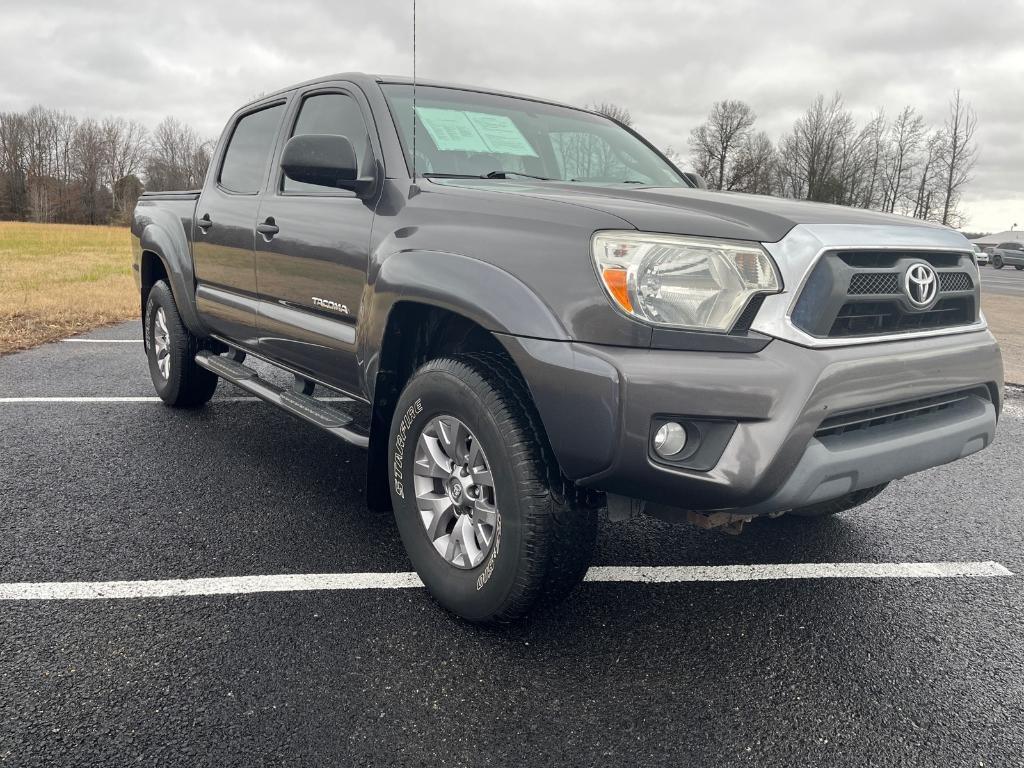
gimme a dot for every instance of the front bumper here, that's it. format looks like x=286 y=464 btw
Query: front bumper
x=597 y=404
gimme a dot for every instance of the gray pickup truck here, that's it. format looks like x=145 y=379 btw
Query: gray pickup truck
x=529 y=314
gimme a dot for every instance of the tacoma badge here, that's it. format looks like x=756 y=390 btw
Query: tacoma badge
x=328 y=304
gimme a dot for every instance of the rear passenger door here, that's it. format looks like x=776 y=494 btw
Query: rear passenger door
x=311 y=270
x=223 y=233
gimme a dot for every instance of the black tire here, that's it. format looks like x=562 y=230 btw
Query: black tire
x=1018 y=267
x=997 y=262
x=842 y=504
x=544 y=537
x=187 y=385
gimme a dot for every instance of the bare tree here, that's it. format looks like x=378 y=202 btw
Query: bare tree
x=177 y=158
x=65 y=129
x=124 y=154
x=754 y=170
x=957 y=156
x=929 y=180
x=89 y=155
x=850 y=171
x=813 y=153
x=906 y=134
x=13 y=159
x=614 y=111
x=39 y=166
x=715 y=142
x=874 y=149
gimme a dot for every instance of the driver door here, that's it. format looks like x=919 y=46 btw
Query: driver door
x=311 y=266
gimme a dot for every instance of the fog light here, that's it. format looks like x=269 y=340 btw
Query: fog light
x=669 y=440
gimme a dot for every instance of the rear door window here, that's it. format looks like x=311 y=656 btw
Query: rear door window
x=248 y=153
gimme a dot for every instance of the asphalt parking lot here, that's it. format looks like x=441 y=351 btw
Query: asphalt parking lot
x=1006 y=281
x=808 y=671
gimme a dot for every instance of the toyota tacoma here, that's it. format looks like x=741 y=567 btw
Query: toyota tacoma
x=526 y=314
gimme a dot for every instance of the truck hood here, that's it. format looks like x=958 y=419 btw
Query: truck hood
x=696 y=212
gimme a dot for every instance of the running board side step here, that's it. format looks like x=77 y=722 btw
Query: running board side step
x=304 y=406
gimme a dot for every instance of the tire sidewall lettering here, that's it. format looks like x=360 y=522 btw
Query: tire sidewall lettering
x=401 y=439
x=485 y=575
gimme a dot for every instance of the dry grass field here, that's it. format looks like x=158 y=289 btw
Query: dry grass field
x=60 y=279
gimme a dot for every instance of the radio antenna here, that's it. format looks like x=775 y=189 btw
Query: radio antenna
x=413 y=91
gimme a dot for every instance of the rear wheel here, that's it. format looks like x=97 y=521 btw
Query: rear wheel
x=842 y=504
x=1018 y=267
x=171 y=349
x=478 y=498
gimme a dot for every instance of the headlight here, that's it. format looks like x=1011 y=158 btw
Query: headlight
x=687 y=282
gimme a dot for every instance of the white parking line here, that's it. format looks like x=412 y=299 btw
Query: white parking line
x=103 y=341
x=16 y=400
x=657 y=575
x=12 y=400
x=304 y=582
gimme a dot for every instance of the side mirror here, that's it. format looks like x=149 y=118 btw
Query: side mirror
x=696 y=179
x=324 y=159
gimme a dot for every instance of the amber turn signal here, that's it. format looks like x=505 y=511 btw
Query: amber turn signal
x=616 y=282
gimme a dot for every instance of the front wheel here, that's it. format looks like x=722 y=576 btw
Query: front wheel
x=171 y=349
x=997 y=262
x=478 y=499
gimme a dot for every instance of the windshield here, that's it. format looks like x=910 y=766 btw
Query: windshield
x=465 y=133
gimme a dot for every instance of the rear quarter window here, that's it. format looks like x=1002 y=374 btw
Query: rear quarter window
x=248 y=152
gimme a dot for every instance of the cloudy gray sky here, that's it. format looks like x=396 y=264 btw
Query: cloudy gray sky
x=666 y=61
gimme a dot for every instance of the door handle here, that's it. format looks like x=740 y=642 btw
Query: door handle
x=204 y=223
x=268 y=228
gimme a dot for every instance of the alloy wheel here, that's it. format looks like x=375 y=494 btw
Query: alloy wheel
x=162 y=343
x=455 y=492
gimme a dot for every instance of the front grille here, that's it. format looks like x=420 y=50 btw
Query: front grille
x=888 y=283
x=869 y=418
x=876 y=318
x=949 y=282
x=878 y=283
x=861 y=294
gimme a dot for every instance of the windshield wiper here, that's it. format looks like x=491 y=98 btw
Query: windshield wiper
x=443 y=175
x=490 y=175
x=506 y=174
x=622 y=181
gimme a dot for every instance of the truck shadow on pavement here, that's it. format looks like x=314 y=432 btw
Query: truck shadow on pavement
x=305 y=475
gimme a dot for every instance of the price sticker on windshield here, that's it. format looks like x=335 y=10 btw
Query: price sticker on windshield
x=459 y=131
x=502 y=136
x=451 y=130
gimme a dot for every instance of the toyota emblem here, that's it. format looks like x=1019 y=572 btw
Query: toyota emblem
x=921 y=284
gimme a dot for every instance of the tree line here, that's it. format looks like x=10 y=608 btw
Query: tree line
x=895 y=164
x=55 y=167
